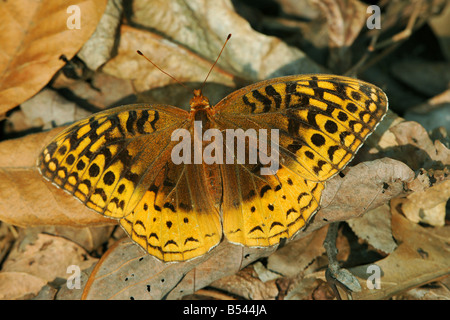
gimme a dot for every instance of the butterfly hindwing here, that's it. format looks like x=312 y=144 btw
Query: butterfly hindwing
x=260 y=210
x=174 y=221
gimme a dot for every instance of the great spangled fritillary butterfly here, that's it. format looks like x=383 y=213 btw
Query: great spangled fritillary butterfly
x=118 y=162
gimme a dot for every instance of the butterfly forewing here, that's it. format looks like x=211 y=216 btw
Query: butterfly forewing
x=106 y=154
x=118 y=163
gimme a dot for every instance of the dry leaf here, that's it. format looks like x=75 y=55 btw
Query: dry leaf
x=37 y=257
x=426 y=206
x=19 y=285
x=263 y=273
x=310 y=289
x=101 y=92
x=301 y=8
x=345 y=19
x=47 y=292
x=182 y=63
x=409 y=142
x=297 y=255
x=64 y=293
x=33 y=44
x=89 y=238
x=437 y=290
x=422 y=256
x=375 y=228
x=57 y=111
x=98 y=49
x=246 y=284
x=203 y=25
x=376 y=181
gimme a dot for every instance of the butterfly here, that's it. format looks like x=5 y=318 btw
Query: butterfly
x=119 y=162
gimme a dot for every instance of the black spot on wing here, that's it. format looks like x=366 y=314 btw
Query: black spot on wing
x=318 y=140
x=264 y=190
x=109 y=178
x=169 y=206
x=256 y=229
x=331 y=151
x=190 y=239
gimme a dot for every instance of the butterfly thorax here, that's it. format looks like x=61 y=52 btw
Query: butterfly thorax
x=201 y=110
x=199 y=101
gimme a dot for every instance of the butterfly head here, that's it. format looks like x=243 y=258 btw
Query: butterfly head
x=199 y=101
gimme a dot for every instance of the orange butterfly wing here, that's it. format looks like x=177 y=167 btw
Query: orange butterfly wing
x=118 y=163
x=322 y=121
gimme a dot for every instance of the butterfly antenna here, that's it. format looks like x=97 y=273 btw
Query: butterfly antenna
x=182 y=84
x=223 y=47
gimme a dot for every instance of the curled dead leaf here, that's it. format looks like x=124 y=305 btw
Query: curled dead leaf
x=345 y=19
x=61 y=110
x=293 y=258
x=246 y=284
x=409 y=142
x=376 y=181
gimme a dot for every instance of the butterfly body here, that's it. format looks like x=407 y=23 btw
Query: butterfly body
x=120 y=162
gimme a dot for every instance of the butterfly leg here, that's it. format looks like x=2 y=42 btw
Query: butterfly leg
x=335 y=275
